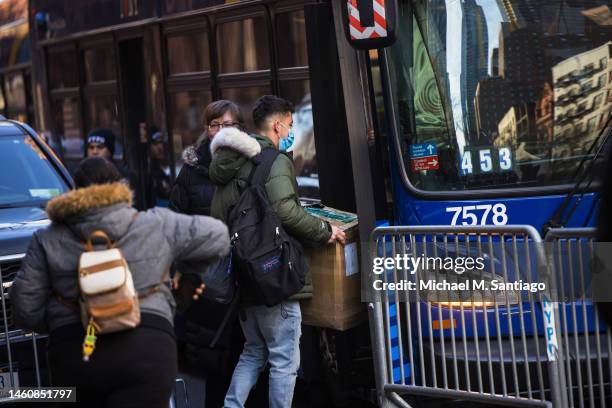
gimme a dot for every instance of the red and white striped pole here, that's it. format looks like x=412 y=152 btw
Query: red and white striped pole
x=359 y=32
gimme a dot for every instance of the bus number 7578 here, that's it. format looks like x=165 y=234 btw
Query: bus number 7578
x=496 y=213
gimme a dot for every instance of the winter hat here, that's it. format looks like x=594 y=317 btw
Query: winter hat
x=102 y=136
x=154 y=135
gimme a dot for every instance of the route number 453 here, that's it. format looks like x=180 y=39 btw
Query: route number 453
x=487 y=160
x=469 y=214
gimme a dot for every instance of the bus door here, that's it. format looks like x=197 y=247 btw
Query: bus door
x=134 y=114
x=143 y=113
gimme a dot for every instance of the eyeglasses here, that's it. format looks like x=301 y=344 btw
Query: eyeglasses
x=216 y=126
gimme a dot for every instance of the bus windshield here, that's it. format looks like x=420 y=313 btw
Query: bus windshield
x=500 y=94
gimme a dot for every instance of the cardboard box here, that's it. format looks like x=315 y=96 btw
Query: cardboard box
x=336 y=301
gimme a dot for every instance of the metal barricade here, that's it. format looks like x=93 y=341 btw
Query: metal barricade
x=21 y=349
x=586 y=340
x=496 y=350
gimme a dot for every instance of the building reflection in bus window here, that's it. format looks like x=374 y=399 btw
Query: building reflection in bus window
x=245 y=98
x=304 y=153
x=100 y=64
x=510 y=95
x=103 y=113
x=249 y=50
x=291 y=32
x=186 y=110
x=188 y=53
x=67 y=119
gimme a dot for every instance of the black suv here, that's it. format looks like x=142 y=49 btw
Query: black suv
x=30 y=175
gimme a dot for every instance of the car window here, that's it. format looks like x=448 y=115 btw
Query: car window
x=26 y=175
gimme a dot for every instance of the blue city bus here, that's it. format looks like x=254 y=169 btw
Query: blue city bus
x=509 y=106
x=496 y=113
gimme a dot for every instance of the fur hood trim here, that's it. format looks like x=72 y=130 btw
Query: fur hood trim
x=190 y=155
x=77 y=201
x=237 y=140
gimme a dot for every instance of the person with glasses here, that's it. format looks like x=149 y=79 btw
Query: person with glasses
x=198 y=322
x=193 y=190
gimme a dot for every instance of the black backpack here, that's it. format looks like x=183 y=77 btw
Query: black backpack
x=268 y=262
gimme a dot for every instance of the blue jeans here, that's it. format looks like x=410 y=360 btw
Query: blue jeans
x=272 y=334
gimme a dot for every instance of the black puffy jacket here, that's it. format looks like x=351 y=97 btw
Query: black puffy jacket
x=193 y=190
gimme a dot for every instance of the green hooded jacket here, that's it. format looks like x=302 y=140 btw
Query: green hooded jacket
x=229 y=170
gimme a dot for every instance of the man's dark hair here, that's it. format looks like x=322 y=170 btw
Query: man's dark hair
x=269 y=105
x=95 y=170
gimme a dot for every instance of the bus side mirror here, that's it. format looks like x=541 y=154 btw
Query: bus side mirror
x=369 y=24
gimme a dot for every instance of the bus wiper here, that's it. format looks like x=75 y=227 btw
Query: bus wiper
x=602 y=140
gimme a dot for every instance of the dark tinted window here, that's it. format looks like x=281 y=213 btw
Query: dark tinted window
x=62 y=69
x=291 y=39
x=242 y=46
x=100 y=64
x=188 y=53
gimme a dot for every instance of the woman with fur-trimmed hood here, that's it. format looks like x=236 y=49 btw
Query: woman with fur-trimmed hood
x=193 y=190
x=135 y=367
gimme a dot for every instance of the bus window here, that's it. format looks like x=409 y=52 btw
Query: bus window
x=66 y=116
x=245 y=98
x=62 y=69
x=291 y=35
x=491 y=96
x=100 y=64
x=188 y=53
x=186 y=110
x=242 y=46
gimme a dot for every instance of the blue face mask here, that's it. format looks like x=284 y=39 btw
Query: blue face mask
x=285 y=144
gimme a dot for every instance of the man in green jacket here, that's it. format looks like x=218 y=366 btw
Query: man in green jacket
x=272 y=334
